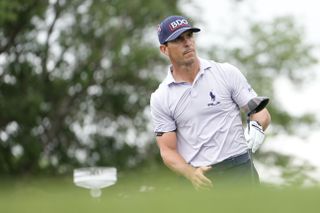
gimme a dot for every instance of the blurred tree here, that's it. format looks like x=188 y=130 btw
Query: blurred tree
x=75 y=77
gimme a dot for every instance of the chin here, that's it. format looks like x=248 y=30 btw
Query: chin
x=190 y=61
x=191 y=57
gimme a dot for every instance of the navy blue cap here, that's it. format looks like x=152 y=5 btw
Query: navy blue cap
x=172 y=27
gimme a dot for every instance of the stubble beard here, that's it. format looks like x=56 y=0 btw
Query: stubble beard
x=189 y=61
x=186 y=61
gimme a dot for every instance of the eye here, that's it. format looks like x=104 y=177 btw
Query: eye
x=190 y=35
x=177 y=39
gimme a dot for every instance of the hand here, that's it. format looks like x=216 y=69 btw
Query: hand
x=198 y=179
x=254 y=135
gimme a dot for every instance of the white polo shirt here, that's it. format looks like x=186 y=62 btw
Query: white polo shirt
x=204 y=114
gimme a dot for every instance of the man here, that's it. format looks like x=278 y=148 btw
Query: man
x=196 y=112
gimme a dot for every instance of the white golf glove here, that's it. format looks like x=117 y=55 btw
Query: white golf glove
x=254 y=136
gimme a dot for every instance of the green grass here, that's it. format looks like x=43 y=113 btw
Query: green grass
x=149 y=191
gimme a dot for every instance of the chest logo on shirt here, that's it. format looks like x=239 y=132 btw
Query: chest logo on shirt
x=213 y=100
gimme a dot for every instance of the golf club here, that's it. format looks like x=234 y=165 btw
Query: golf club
x=255 y=105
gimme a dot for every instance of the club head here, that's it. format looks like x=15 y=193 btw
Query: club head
x=257 y=104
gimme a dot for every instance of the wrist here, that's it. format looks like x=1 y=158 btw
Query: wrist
x=255 y=121
x=189 y=171
x=256 y=124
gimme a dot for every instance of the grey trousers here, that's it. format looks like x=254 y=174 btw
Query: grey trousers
x=237 y=170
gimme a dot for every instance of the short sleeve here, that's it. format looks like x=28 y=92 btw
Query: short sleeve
x=161 y=117
x=241 y=90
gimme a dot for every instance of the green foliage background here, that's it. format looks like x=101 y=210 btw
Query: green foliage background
x=68 y=64
x=76 y=77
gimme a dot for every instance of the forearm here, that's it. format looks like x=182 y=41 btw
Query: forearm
x=173 y=159
x=254 y=133
x=176 y=163
x=263 y=117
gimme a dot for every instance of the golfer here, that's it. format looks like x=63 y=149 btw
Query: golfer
x=196 y=113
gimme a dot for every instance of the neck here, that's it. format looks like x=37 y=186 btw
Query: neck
x=186 y=72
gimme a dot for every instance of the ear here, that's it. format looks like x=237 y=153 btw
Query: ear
x=164 y=49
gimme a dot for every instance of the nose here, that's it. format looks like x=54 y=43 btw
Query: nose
x=186 y=41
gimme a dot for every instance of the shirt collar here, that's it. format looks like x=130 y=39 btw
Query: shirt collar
x=204 y=65
x=169 y=79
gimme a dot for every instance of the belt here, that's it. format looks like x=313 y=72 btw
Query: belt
x=231 y=162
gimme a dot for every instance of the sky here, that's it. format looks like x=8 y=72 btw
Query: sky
x=217 y=17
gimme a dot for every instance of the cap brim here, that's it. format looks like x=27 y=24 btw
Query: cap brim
x=177 y=33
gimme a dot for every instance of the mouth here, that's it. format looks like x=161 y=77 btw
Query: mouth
x=187 y=52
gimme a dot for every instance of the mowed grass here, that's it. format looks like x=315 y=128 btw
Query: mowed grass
x=149 y=191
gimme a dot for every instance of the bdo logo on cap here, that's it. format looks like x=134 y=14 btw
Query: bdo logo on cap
x=178 y=23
